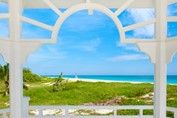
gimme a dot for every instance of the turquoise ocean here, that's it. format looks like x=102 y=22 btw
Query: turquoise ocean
x=171 y=79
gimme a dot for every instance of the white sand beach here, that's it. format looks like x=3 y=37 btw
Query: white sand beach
x=95 y=80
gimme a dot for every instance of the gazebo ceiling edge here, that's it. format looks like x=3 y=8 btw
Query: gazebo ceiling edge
x=69 y=3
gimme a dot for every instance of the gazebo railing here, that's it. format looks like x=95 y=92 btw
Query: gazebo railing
x=4 y=113
x=71 y=112
x=174 y=110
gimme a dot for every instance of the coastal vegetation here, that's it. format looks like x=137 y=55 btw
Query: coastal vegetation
x=66 y=92
x=98 y=93
x=93 y=93
x=59 y=84
x=28 y=76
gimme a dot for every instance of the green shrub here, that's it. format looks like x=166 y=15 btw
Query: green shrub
x=28 y=76
x=148 y=112
x=128 y=112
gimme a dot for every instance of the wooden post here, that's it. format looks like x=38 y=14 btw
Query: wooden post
x=160 y=63
x=16 y=81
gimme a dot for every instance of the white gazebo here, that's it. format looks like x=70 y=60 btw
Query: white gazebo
x=15 y=50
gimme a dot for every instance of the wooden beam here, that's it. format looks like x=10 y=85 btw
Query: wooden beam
x=172 y=19
x=171 y=48
x=43 y=41
x=53 y=7
x=171 y=1
x=107 y=3
x=135 y=40
x=4 y=16
x=90 y=11
x=138 y=25
x=4 y=1
x=172 y=38
x=123 y=7
x=37 y=23
x=4 y=38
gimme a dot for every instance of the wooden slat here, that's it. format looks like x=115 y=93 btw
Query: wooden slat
x=171 y=1
x=123 y=7
x=138 y=25
x=47 y=41
x=133 y=41
x=53 y=7
x=172 y=18
x=4 y=16
x=107 y=3
x=37 y=23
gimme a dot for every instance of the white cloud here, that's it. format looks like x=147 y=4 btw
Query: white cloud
x=127 y=47
x=89 y=46
x=129 y=57
x=140 y=15
x=46 y=53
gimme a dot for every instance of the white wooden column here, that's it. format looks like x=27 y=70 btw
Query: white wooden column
x=160 y=76
x=16 y=81
x=160 y=54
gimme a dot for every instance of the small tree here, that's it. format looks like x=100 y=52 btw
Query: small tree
x=27 y=76
x=5 y=77
x=59 y=85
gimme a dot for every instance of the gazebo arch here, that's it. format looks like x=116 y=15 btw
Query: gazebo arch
x=89 y=6
x=160 y=50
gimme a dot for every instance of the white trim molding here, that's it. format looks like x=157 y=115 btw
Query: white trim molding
x=171 y=1
x=149 y=47
x=87 y=6
x=106 y=3
x=25 y=48
x=4 y=15
x=172 y=19
x=171 y=49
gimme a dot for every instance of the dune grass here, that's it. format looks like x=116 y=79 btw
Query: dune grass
x=76 y=93
x=79 y=93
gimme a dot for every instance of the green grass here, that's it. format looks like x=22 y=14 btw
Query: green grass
x=78 y=93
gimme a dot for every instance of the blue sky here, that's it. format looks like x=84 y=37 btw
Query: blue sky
x=90 y=44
